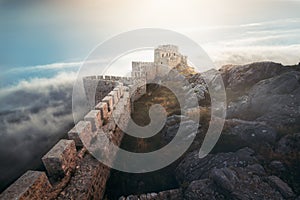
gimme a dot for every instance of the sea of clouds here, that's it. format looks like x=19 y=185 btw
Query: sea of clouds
x=34 y=114
x=277 y=41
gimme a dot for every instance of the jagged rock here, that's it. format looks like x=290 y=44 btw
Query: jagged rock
x=202 y=189
x=281 y=186
x=253 y=134
x=277 y=166
x=236 y=175
x=288 y=144
x=164 y=195
x=274 y=100
x=199 y=88
x=131 y=197
x=225 y=178
x=173 y=123
x=239 y=78
x=238 y=107
x=256 y=169
x=193 y=168
x=175 y=119
x=236 y=183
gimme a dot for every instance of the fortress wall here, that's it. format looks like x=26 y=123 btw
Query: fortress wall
x=31 y=185
x=60 y=159
x=97 y=87
x=73 y=172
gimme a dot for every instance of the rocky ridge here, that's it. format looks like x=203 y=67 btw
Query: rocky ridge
x=261 y=132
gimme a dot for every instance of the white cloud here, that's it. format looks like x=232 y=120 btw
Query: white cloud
x=277 y=41
x=287 y=55
x=39 y=85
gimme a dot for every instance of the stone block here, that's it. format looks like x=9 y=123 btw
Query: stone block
x=31 y=185
x=117 y=89
x=109 y=101
x=103 y=107
x=121 y=90
x=60 y=159
x=82 y=131
x=94 y=116
x=114 y=95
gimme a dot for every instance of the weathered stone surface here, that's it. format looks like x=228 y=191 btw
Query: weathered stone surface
x=88 y=182
x=164 y=195
x=239 y=78
x=254 y=134
x=274 y=100
x=31 y=185
x=233 y=182
x=82 y=130
x=189 y=127
x=94 y=116
x=281 y=186
x=117 y=89
x=224 y=178
x=96 y=88
x=121 y=114
x=60 y=159
x=121 y=89
x=288 y=144
x=109 y=101
x=277 y=166
x=193 y=168
x=202 y=189
x=114 y=95
x=103 y=107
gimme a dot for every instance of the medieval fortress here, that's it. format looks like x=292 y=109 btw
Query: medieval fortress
x=72 y=172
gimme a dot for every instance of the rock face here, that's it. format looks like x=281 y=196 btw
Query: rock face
x=265 y=92
x=238 y=78
x=32 y=185
x=199 y=87
x=193 y=168
x=164 y=195
x=253 y=134
x=173 y=123
x=235 y=175
x=289 y=144
x=60 y=159
x=263 y=105
x=281 y=186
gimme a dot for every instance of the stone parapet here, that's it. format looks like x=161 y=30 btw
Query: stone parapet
x=82 y=129
x=60 y=159
x=31 y=185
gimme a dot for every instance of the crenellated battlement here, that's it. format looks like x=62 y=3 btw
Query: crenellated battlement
x=70 y=168
x=72 y=172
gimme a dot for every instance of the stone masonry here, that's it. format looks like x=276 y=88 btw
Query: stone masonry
x=73 y=172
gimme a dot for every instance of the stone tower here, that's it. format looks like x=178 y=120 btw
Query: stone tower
x=167 y=57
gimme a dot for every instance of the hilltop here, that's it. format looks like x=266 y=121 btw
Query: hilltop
x=258 y=152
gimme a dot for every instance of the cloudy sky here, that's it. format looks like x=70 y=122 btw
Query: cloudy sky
x=43 y=43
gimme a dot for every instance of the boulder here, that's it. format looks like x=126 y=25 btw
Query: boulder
x=239 y=78
x=253 y=134
x=236 y=175
x=194 y=168
x=288 y=144
x=202 y=189
x=281 y=186
x=274 y=100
